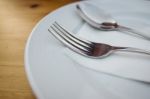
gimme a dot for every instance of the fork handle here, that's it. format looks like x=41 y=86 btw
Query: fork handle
x=131 y=49
x=130 y=30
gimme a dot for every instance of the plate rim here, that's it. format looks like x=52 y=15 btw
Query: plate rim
x=27 y=65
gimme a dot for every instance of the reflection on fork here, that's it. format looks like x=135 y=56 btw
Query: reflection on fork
x=86 y=47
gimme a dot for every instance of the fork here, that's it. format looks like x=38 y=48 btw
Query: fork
x=86 y=47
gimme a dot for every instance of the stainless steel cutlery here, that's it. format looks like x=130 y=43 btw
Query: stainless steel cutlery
x=98 y=18
x=87 y=47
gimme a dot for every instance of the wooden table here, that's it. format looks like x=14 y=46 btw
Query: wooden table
x=17 y=18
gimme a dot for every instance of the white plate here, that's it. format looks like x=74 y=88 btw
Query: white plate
x=53 y=75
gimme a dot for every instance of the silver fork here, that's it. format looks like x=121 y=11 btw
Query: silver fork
x=86 y=47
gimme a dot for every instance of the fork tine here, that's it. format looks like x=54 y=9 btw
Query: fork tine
x=61 y=33
x=84 y=43
x=66 y=41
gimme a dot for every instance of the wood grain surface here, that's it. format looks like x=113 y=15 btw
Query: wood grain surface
x=17 y=18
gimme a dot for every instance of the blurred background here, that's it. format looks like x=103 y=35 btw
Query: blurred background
x=17 y=19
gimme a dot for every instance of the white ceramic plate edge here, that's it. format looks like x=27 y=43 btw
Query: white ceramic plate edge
x=30 y=78
x=27 y=65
